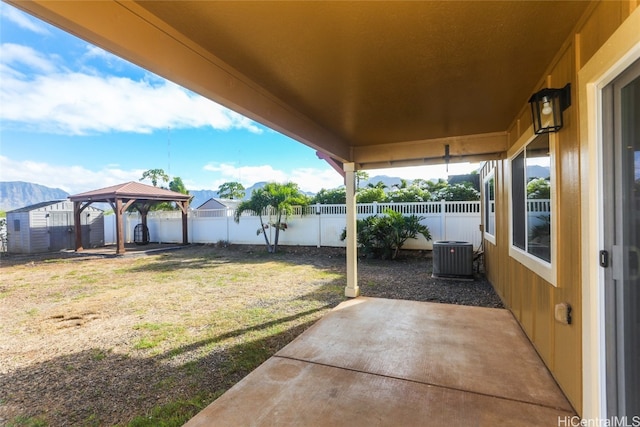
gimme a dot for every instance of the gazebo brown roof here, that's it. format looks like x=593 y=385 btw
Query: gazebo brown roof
x=120 y=197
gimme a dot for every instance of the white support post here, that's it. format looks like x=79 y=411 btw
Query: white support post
x=352 y=290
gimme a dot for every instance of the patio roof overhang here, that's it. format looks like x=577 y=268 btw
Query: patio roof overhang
x=371 y=83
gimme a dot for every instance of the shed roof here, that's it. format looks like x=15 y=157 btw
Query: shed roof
x=35 y=206
x=41 y=205
x=129 y=190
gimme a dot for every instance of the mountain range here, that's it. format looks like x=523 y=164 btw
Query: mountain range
x=18 y=194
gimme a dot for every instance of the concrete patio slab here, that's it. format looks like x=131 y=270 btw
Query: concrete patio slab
x=389 y=362
x=481 y=350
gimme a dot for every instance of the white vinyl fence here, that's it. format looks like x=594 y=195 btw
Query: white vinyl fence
x=316 y=225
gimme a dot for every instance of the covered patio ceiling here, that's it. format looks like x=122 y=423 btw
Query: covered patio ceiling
x=377 y=84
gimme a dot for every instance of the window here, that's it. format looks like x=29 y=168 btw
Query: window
x=490 y=208
x=531 y=206
x=16 y=225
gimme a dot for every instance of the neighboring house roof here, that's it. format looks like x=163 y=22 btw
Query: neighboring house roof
x=214 y=203
x=130 y=190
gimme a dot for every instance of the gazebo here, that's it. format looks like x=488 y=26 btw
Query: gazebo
x=121 y=197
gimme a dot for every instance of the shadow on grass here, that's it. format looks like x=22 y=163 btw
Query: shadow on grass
x=98 y=387
x=239 y=332
x=105 y=252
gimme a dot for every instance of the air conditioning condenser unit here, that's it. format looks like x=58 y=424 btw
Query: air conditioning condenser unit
x=453 y=259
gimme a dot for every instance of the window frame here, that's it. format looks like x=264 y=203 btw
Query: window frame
x=540 y=267
x=489 y=236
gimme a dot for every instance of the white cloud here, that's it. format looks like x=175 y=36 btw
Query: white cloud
x=22 y=20
x=72 y=179
x=50 y=98
x=18 y=55
x=96 y=52
x=309 y=179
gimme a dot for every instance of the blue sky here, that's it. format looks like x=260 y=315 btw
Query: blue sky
x=78 y=118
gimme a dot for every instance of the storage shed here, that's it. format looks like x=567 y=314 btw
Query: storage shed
x=49 y=226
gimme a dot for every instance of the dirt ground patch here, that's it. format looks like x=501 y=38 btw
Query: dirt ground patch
x=88 y=340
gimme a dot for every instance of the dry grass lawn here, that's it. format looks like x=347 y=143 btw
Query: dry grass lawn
x=149 y=339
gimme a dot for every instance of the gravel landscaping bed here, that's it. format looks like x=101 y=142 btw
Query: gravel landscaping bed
x=91 y=340
x=410 y=278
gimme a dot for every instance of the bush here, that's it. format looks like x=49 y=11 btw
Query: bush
x=539 y=188
x=370 y=195
x=383 y=236
x=408 y=194
x=456 y=193
x=337 y=196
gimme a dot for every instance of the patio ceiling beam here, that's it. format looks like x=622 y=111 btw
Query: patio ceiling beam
x=133 y=33
x=468 y=148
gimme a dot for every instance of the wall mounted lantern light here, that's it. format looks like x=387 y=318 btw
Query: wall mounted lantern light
x=547 y=107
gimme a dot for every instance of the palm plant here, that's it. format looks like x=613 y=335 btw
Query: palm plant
x=383 y=236
x=276 y=201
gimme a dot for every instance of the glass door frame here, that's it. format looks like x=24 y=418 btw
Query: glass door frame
x=611 y=59
x=615 y=208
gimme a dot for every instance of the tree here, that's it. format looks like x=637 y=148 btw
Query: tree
x=381 y=185
x=336 y=196
x=276 y=200
x=430 y=186
x=361 y=176
x=175 y=184
x=178 y=186
x=457 y=192
x=370 y=195
x=231 y=190
x=539 y=188
x=411 y=193
x=154 y=175
x=403 y=184
x=383 y=236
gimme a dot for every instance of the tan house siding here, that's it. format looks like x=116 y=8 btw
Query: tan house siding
x=600 y=24
x=528 y=296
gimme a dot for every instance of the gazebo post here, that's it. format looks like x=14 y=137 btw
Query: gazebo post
x=184 y=206
x=77 y=226
x=144 y=211
x=119 y=228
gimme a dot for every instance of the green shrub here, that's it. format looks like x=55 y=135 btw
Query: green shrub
x=383 y=236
